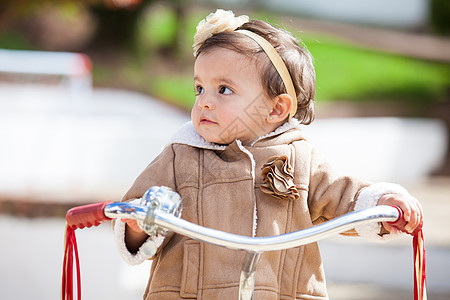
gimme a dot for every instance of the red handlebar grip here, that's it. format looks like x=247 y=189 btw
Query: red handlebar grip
x=400 y=223
x=400 y=216
x=87 y=215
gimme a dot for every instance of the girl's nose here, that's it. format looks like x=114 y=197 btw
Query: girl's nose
x=205 y=102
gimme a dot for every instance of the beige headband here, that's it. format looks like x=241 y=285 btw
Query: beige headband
x=279 y=65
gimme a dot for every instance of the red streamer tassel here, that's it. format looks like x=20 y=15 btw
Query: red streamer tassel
x=78 y=217
x=70 y=249
x=420 y=282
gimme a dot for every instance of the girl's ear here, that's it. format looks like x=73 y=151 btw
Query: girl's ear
x=282 y=105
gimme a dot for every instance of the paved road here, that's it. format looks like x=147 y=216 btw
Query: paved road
x=52 y=149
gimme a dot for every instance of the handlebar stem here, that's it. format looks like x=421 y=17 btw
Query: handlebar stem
x=153 y=217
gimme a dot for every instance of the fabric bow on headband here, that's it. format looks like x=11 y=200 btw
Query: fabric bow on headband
x=220 y=21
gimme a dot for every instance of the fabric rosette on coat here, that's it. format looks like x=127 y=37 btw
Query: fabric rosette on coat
x=279 y=178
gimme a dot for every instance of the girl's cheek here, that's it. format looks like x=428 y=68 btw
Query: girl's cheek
x=194 y=111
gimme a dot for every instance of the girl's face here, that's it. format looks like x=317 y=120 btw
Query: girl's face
x=230 y=101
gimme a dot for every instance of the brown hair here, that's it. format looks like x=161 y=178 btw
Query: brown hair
x=297 y=58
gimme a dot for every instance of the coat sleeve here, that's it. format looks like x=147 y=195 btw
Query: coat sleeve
x=332 y=195
x=160 y=172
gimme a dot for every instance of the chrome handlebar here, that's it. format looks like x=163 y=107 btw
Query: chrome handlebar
x=168 y=221
x=159 y=210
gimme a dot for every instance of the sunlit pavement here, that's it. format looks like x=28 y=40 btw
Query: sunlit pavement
x=357 y=269
x=32 y=249
x=53 y=148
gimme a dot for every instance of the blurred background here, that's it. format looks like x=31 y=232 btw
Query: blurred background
x=90 y=92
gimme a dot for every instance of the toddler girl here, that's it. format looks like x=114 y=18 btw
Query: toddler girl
x=243 y=165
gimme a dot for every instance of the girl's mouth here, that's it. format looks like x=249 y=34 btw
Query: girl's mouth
x=206 y=121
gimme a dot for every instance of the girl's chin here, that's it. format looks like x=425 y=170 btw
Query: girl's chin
x=211 y=135
x=214 y=139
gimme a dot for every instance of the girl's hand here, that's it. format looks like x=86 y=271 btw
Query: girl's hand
x=412 y=212
x=134 y=235
x=132 y=224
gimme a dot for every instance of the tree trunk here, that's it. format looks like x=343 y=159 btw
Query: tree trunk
x=116 y=27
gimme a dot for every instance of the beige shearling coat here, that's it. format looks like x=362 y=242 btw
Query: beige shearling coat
x=220 y=189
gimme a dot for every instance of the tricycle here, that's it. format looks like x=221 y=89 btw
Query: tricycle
x=159 y=210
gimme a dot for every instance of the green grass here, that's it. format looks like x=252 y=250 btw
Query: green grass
x=344 y=71
x=156 y=29
x=175 y=89
x=14 y=40
x=348 y=72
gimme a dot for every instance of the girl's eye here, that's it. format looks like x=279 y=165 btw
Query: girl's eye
x=198 y=90
x=225 y=91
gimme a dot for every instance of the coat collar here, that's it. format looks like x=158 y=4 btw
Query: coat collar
x=284 y=134
x=189 y=136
